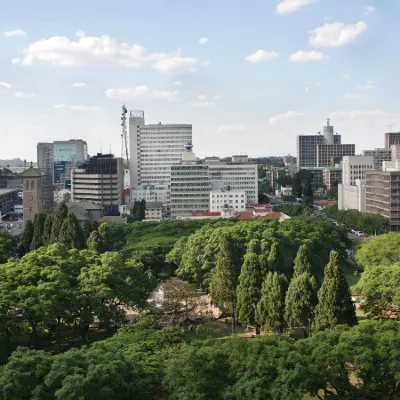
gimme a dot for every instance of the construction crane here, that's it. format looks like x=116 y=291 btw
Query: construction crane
x=124 y=135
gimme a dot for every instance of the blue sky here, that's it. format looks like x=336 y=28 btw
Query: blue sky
x=249 y=76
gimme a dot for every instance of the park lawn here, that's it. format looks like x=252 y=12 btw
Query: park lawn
x=206 y=331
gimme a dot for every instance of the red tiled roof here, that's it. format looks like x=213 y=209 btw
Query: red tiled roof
x=206 y=214
x=261 y=205
x=274 y=214
x=244 y=215
x=324 y=203
x=261 y=210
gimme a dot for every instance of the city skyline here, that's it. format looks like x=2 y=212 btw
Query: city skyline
x=249 y=79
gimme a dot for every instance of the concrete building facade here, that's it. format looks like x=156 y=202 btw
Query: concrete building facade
x=395 y=148
x=225 y=198
x=379 y=155
x=355 y=167
x=391 y=138
x=152 y=193
x=352 y=197
x=328 y=155
x=100 y=180
x=154 y=149
x=332 y=175
x=154 y=211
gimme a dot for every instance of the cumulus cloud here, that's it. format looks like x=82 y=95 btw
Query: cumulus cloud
x=79 y=84
x=369 y=10
x=25 y=95
x=285 y=117
x=102 y=50
x=66 y=107
x=141 y=93
x=306 y=89
x=346 y=76
x=4 y=86
x=368 y=86
x=289 y=6
x=307 y=56
x=178 y=83
x=15 y=32
x=207 y=63
x=337 y=34
x=204 y=40
x=261 y=55
x=232 y=128
x=205 y=101
x=352 y=96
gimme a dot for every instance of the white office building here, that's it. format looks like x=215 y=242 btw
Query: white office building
x=351 y=193
x=151 y=193
x=154 y=149
x=225 y=198
x=380 y=155
x=238 y=174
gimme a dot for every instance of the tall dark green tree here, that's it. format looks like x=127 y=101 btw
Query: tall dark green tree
x=48 y=225
x=100 y=240
x=226 y=277
x=302 y=263
x=89 y=226
x=250 y=281
x=38 y=231
x=59 y=215
x=274 y=258
x=270 y=313
x=71 y=235
x=94 y=242
x=297 y=186
x=334 y=300
x=27 y=237
x=138 y=212
x=7 y=247
x=301 y=300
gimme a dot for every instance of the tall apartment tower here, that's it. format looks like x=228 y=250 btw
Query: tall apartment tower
x=154 y=148
x=61 y=157
x=379 y=155
x=322 y=150
x=100 y=180
x=391 y=138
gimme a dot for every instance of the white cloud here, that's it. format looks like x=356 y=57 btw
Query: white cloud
x=4 y=86
x=141 y=93
x=361 y=115
x=284 y=117
x=336 y=34
x=75 y=107
x=368 y=86
x=178 y=83
x=204 y=40
x=25 y=95
x=261 y=55
x=346 y=76
x=328 y=18
x=79 y=84
x=232 y=128
x=102 y=50
x=352 y=96
x=288 y=6
x=306 y=89
x=207 y=63
x=369 y=10
x=15 y=32
x=307 y=56
x=204 y=101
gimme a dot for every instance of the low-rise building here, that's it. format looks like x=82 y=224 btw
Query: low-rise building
x=154 y=211
x=151 y=193
x=8 y=200
x=352 y=197
x=332 y=175
x=227 y=198
x=62 y=195
x=85 y=210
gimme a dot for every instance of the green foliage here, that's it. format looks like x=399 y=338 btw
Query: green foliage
x=90 y=226
x=71 y=235
x=38 y=231
x=334 y=300
x=379 y=289
x=333 y=191
x=138 y=211
x=60 y=213
x=270 y=313
x=250 y=282
x=7 y=246
x=26 y=239
x=263 y=189
x=379 y=250
x=302 y=262
x=48 y=225
x=293 y=210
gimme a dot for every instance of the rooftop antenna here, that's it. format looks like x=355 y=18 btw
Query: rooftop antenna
x=124 y=135
x=328 y=120
x=390 y=127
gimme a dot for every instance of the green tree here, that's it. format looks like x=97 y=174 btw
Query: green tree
x=302 y=262
x=138 y=212
x=90 y=226
x=71 y=235
x=372 y=223
x=226 y=277
x=297 y=186
x=270 y=311
x=60 y=213
x=27 y=237
x=333 y=191
x=334 y=300
x=301 y=300
x=48 y=226
x=38 y=231
x=379 y=250
x=274 y=258
x=7 y=246
x=102 y=239
x=250 y=282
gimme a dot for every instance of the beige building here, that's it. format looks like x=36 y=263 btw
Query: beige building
x=379 y=155
x=154 y=211
x=37 y=191
x=100 y=180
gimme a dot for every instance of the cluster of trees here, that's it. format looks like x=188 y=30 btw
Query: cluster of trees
x=263 y=189
x=145 y=362
x=138 y=212
x=364 y=222
x=295 y=210
x=54 y=293
x=380 y=282
x=303 y=184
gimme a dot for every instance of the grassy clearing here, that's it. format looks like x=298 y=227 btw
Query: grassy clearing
x=350 y=274
x=206 y=331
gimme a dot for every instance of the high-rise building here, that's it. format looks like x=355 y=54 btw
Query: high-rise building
x=154 y=149
x=190 y=185
x=383 y=193
x=395 y=148
x=355 y=167
x=61 y=157
x=37 y=191
x=322 y=150
x=379 y=156
x=100 y=180
x=332 y=175
x=391 y=138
